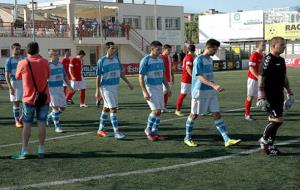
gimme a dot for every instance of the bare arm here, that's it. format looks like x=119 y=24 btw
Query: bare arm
x=261 y=87
x=287 y=86
x=11 y=89
x=97 y=94
x=165 y=82
x=189 y=69
x=211 y=84
x=143 y=86
x=253 y=72
x=67 y=82
x=124 y=78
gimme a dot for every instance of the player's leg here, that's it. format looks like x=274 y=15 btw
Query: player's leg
x=103 y=120
x=41 y=118
x=16 y=112
x=185 y=89
x=189 y=124
x=165 y=98
x=114 y=122
x=55 y=118
x=219 y=122
x=82 y=87
x=252 y=90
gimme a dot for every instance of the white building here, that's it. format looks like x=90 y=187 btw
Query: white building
x=56 y=27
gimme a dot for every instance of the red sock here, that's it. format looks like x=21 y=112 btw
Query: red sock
x=247 y=106
x=180 y=101
x=82 y=96
x=166 y=97
x=70 y=95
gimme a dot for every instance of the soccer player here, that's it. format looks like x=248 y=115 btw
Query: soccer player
x=186 y=78
x=204 y=96
x=151 y=78
x=165 y=56
x=271 y=82
x=77 y=80
x=66 y=63
x=109 y=72
x=14 y=85
x=56 y=89
x=252 y=86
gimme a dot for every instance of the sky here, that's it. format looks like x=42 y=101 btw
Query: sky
x=197 y=6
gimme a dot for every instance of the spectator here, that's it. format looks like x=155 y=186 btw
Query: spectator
x=34 y=71
x=175 y=57
x=95 y=26
x=127 y=29
x=181 y=55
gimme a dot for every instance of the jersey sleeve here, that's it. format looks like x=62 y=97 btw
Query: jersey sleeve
x=199 y=66
x=253 y=60
x=143 y=66
x=265 y=67
x=8 y=67
x=189 y=60
x=99 y=67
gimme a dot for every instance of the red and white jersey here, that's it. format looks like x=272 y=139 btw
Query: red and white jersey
x=254 y=61
x=76 y=66
x=167 y=67
x=188 y=60
x=66 y=64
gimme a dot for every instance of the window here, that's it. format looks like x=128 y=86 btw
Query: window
x=134 y=21
x=149 y=23
x=172 y=23
x=297 y=49
x=5 y=52
x=289 y=49
x=60 y=52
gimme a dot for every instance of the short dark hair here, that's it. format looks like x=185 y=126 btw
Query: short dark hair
x=81 y=52
x=259 y=42
x=109 y=44
x=192 y=47
x=167 y=46
x=15 y=45
x=33 y=48
x=155 y=44
x=276 y=39
x=212 y=43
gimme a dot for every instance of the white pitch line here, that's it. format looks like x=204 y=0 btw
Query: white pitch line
x=85 y=133
x=136 y=172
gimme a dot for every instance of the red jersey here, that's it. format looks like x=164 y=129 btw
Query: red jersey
x=66 y=64
x=168 y=66
x=76 y=68
x=254 y=62
x=185 y=77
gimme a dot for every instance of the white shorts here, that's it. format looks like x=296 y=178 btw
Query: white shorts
x=185 y=88
x=205 y=105
x=17 y=85
x=78 y=85
x=57 y=97
x=156 y=101
x=165 y=89
x=110 y=96
x=252 y=87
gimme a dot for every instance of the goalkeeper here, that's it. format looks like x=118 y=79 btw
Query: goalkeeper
x=271 y=83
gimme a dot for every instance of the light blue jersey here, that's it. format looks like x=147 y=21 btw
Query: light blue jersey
x=57 y=74
x=11 y=66
x=202 y=66
x=109 y=69
x=152 y=68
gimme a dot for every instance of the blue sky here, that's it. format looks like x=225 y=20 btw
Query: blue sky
x=197 y=6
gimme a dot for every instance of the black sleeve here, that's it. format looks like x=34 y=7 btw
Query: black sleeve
x=265 y=66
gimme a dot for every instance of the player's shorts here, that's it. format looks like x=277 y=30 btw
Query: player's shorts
x=78 y=85
x=165 y=89
x=110 y=96
x=156 y=101
x=252 y=87
x=17 y=85
x=276 y=101
x=57 y=97
x=205 y=105
x=185 y=88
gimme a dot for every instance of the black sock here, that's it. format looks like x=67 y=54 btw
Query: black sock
x=270 y=131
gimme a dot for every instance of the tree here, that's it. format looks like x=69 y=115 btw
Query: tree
x=191 y=32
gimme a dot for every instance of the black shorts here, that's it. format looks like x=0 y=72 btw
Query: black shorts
x=275 y=107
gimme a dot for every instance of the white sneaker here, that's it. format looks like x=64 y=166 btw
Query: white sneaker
x=83 y=106
x=59 y=130
x=248 y=118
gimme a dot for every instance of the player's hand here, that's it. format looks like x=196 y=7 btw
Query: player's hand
x=288 y=103
x=146 y=95
x=12 y=91
x=218 y=88
x=169 y=93
x=130 y=86
x=262 y=103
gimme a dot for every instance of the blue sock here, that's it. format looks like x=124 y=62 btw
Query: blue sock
x=114 y=122
x=150 y=123
x=41 y=149
x=55 y=118
x=188 y=128
x=156 y=124
x=16 y=112
x=49 y=117
x=24 y=150
x=103 y=120
x=222 y=129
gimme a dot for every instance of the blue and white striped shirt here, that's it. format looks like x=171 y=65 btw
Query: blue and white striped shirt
x=153 y=70
x=57 y=74
x=109 y=69
x=202 y=66
x=11 y=66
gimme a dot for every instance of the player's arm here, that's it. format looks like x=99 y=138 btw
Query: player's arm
x=288 y=103
x=215 y=86
x=7 y=77
x=67 y=80
x=98 y=78
x=124 y=78
x=189 y=69
x=71 y=70
x=287 y=86
x=252 y=64
x=264 y=71
x=165 y=82
x=143 y=87
x=253 y=72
